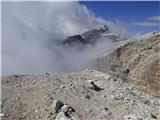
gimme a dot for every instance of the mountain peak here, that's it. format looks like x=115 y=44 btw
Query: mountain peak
x=92 y=36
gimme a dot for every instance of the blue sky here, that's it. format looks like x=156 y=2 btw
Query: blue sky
x=137 y=16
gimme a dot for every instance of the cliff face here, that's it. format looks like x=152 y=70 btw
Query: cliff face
x=136 y=61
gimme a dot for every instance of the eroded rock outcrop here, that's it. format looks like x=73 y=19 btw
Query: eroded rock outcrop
x=141 y=57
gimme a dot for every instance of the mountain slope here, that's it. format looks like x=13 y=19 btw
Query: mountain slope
x=31 y=97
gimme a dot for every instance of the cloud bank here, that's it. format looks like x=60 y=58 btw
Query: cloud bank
x=31 y=32
x=153 y=21
x=146 y=24
x=156 y=18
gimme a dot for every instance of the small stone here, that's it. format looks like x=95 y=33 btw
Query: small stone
x=104 y=95
x=107 y=77
x=2 y=115
x=106 y=108
x=64 y=108
x=36 y=110
x=70 y=110
x=87 y=97
x=16 y=76
x=17 y=98
x=153 y=116
x=18 y=85
x=95 y=87
x=70 y=84
x=90 y=81
x=61 y=86
x=34 y=82
x=37 y=117
x=47 y=109
x=51 y=98
x=115 y=79
x=46 y=73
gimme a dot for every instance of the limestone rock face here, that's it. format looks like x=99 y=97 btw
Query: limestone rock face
x=141 y=57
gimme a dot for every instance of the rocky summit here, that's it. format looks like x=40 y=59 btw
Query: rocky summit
x=92 y=36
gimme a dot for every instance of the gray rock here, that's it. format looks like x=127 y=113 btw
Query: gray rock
x=2 y=115
x=95 y=87
x=61 y=116
x=65 y=112
x=64 y=108
x=57 y=104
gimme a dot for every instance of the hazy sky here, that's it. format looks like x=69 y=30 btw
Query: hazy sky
x=137 y=16
x=31 y=31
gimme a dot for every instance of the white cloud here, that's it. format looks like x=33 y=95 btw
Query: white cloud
x=32 y=30
x=154 y=21
x=156 y=18
x=146 y=24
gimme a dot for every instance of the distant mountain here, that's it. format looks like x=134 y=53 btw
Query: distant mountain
x=92 y=36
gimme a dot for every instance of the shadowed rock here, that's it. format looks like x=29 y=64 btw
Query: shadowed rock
x=58 y=105
x=95 y=87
